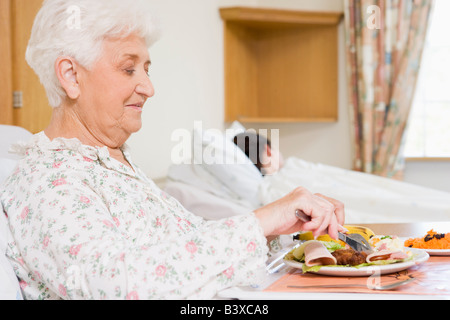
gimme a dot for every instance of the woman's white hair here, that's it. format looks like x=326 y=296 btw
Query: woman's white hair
x=77 y=28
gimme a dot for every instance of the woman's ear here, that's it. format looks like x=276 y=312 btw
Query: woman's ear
x=66 y=71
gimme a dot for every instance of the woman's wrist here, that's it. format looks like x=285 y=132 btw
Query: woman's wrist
x=264 y=216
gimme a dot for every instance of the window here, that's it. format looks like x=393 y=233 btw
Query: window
x=428 y=134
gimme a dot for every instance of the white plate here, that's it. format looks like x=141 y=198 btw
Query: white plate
x=437 y=252
x=419 y=256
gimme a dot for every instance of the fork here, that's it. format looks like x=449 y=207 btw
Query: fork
x=355 y=241
x=276 y=264
x=378 y=287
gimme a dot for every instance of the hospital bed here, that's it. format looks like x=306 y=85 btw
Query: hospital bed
x=215 y=190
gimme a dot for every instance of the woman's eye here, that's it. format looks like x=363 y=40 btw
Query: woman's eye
x=130 y=71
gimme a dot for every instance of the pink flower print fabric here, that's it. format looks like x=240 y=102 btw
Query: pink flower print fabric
x=84 y=226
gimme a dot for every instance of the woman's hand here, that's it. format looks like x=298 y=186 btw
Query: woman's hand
x=279 y=217
x=339 y=208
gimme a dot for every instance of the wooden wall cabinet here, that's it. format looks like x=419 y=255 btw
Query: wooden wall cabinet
x=280 y=65
x=16 y=77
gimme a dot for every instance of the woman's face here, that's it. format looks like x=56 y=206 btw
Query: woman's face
x=114 y=90
x=272 y=161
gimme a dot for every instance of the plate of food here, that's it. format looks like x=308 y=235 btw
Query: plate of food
x=434 y=243
x=333 y=258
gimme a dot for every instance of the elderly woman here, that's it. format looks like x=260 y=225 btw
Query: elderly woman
x=85 y=222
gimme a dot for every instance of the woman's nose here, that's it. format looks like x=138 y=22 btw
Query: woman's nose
x=145 y=87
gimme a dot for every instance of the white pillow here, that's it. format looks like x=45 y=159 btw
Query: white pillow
x=235 y=128
x=9 y=285
x=218 y=154
x=7 y=167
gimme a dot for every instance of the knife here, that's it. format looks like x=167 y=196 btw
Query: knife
x=355 y=241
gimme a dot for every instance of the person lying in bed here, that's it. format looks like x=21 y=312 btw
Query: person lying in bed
x=259 y=150
x=85 y=222
x=266 y=158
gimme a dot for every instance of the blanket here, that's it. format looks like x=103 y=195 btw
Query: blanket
x=367 y=198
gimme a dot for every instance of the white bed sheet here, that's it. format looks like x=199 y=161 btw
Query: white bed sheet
x=204 y=203
x=367 y=198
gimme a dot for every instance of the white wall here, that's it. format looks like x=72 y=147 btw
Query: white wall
x=188 y=74
x=432 y=174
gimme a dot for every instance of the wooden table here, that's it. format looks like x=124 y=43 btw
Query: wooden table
x=416 y=230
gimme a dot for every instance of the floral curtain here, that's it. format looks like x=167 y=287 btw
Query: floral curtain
x=384 y=43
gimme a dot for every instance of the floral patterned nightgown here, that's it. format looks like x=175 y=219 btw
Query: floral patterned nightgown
x=85 y=226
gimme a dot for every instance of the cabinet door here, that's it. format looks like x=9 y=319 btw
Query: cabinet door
x=34 y=113
x=6 y=95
